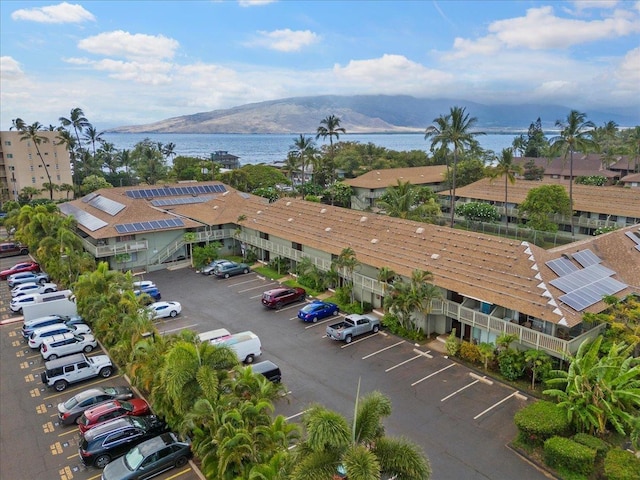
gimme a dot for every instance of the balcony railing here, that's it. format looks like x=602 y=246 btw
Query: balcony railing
x=101 y=251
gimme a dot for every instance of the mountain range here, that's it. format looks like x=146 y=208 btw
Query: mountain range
x=368 y=114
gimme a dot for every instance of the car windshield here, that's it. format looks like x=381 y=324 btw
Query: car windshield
x=127 y=406
x=69 y=404
x=309 y=308
x=133 y=459
x=136 y=422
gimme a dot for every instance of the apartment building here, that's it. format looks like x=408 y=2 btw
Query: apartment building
x=21 y=166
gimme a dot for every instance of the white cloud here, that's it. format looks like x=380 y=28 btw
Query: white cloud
x=628 y=73
x=254 y=3
x=285 y=40
x=124 y=44
x=149 y=73
x=61 y=13
x=10 y=68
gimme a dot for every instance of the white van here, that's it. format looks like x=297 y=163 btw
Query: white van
x=32 y=298
x=215 y=336
x=246 y=345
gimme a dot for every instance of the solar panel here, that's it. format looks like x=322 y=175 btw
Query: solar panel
x=88 y=197
x=164 y=202
x=590 y=294
x=174 y=191
x=586 y=258
x=106 y=205
x=149 y=225
x=633 y=237
x=90 y=222
x=581 y=278
x=561 y=266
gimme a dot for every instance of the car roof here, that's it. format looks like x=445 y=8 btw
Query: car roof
x=59 y=336
x=102 y=407
x=49 y=328
x=59 y=362
x=156 y=443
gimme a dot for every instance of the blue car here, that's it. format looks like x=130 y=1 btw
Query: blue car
x=316 y=310
x=153 y=292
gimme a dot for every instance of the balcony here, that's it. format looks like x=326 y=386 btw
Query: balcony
x=101 y=251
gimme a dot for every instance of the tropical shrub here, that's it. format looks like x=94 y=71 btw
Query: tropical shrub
x=540 y=421
x=621 y=465
x=511 y=363
x=600 y=446
x=470 y=352
x=452 y=344
x=564 y=453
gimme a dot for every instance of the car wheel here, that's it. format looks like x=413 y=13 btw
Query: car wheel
x=249 y=359
x=87 y=349
x=77 y=420
x=347 y=339
x=303 y=297
x=314 y=319
x=245 y=271
x=173 y=313
x=42 y=281
x=106 y=372
x=181 y=462
x=60 y=385
x=335 y=312
x=376 y=328
x=53 y=356
x=278 y=305
x=101 y=461
x=226 y=275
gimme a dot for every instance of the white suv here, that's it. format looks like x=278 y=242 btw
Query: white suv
x=41 y=334
x=66 y=344
x=61 y=372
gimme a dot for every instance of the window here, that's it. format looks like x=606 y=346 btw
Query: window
x=126 y=238
x=9 y=155
x=31 y=168
x=33 y=179
x=296 y=246
x=30 y=157
x=7 y=143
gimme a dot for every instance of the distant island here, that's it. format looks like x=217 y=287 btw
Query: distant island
x=367 y=114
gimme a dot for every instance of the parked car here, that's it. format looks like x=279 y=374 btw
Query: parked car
x=30 y=325
x=226 y=270
x=70 y=410
x=67 y=344
x=269 y=370
x=150 y=458
x=142 y=284
x=164 y=309
x=17 y=303
x=317 y=310
x=11 y=249
x=19 y=268
x=111 y=409
x=59 y=373
x=27 y=277
x=208 y=269
x=281 y=296
x=153 y=292
x=99 y=445
x=32 y=287
x=39 y=335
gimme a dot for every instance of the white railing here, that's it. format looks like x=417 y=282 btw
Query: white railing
x=199 y=237
x=101 y=251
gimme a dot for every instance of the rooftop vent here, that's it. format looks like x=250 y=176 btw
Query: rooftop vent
x=288 y=204
x=420 y=230
x=363 y=219
x=374 y=240
x=328 y=229
x=259 y=212
x=324 y=210
x=289 y=219
x=435 y=256
x=215 y=207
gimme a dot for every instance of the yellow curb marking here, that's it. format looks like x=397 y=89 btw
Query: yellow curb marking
x=65 y=474
x=29 y=378
x=48 y=427
x=41 y=408
x=56 y=448
x=35 y=392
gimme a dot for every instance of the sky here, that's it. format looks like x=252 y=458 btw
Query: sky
x=137 y=62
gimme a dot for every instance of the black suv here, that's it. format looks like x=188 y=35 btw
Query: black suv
x=102 y=443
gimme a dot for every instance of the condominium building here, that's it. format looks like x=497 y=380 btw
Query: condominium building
x=21 y=166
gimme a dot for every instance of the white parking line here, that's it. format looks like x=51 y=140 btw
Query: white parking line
x=360 y=340
x=402 y=363
x=383 y=349
x=177 y=329
x=459 y=390
x=326 y=320
x=253 y=279
x=296 y=415
x=261 y=287
x=514 y=394
x=432 y=374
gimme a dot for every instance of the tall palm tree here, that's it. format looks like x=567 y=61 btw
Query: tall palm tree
x=92 y=136
x=632 y=147
x=330 y=127
x=32 y=133
x=78 y=121
x=347 y=262
x=576 y=135
x=18 y=124
x=519 y=144
x=508 y=169
x=303 y=146
x=453 y=131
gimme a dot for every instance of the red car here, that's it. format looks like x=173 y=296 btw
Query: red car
x=279 y=297
x=19 y=268
x=110 y=410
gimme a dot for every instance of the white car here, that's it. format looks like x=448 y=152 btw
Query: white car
x=33 y=287
x=66 y=344
x=164 y=309
x=39 y=335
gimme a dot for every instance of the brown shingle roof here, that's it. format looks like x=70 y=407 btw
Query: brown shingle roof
x=389 y=177
x=583 y=165
x=586 y=198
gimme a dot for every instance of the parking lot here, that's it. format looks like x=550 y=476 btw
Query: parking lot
x=462 y=420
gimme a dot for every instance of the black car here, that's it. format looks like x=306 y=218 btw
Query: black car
x=104 y=442
x=150 y=458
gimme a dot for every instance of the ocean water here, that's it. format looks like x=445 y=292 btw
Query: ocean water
x=265 y=148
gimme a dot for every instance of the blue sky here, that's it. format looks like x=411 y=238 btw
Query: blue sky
x=132 y=62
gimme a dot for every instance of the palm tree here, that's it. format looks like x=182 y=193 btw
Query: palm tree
x=330 y=127
x=18 y=124
x=92 y=136
x=632 y=145
x=65 y=187
x=65 y=138
x=303 y=146
x=168 y=150
x=508 y=169
x=453 y=130
x=605 y=139
x=32 y=133
x=78 y=121
x=399 y=200
x=575 y=135
x=108 y=156
x=386 y=276
x=362 y=451
x=347 y=262
x=519 y=144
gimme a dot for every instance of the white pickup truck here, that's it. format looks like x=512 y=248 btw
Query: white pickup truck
x=352 y=326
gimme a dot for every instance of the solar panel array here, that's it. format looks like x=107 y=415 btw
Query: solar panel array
x=561 y=266
x=89 y=196
x=589 y=294
x=635 y=238
x=165 y=202
x=151 y=225
x=83 y=218
x=580 y=278
x=586 y=258
x=175 y=191
x=106 y=205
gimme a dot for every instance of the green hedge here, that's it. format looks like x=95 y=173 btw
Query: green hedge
x=564 y=453
x=600 y=446
x=539 y=421
x=621 y=465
